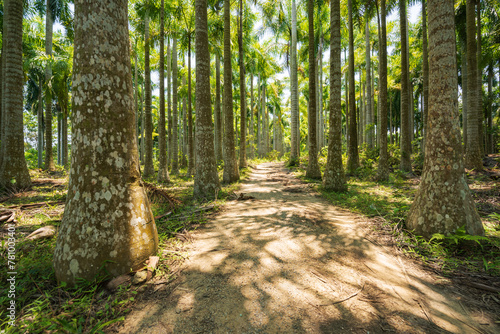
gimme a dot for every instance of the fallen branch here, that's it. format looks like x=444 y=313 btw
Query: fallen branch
x=481 y=286
x=347 y=298
x=35 y=205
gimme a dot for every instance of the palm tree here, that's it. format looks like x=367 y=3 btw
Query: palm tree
x=243 y=109
x=162 y=140
x=148 y=124
x=334 y=178
x=217 y=111
x=473 y=157
x=313 y=170
x=206 y=181
x=49 y=22
x=352 y=149
x=231 y=173
x=443 y=202
x=175 y=148
x=405 y=121
x=105 y=182
x=294 y=89
x=13 y=170
x=425 y=69
x=383 y=167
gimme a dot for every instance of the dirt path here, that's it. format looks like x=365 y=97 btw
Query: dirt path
x=289 y=262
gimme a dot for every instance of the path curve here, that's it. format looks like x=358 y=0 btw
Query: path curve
x=290 y=262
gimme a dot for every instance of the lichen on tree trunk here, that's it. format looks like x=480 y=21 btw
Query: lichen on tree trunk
x=443 y=202
x=107 y=224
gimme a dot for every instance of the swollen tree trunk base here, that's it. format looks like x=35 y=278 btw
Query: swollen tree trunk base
x=108 y=226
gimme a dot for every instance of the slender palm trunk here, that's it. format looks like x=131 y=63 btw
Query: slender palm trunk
x=464 y=95
x=49 y=22
x=480 y=113
x=175 y=150
x=294 y=152
x=243 y=108
x=313 y=170
x=162 y=136
x=425 y=65
x=352 y=146
x=190 y=134
x=169 y=104
x=369 y=123
x=218 y=112
x=40 y=124
x=405 y=121
x=231 y=173
x=473 y=156
x=489 y=112
x=252 y=130
x=136 y=96
x=334 y=177
x=148 y=117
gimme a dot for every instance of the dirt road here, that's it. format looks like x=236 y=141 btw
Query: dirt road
x=290 y=262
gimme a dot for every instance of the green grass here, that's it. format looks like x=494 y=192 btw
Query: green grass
x=44 y=306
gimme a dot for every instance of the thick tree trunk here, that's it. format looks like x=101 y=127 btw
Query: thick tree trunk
x=334 y=177
x=480 y=112
x=231 y=173
x=443 y=202
x=473 y=155
x=13 y=170
x=107 y=224
x=162 y=136
x=148 y=117
x=136 y=96
x=175 y=147
x=243 y=108
x=206 y=181
x=352 y=145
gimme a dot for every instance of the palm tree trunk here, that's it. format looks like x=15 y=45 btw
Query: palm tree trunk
x=464 y=95
x=294 y=152
x=136 y=95
x=148 y=117
x=313 y=170
x=405 y=121
x=40 y=124
x=243 y=109
x=162 y=136
x=425 y=67
x=175 y=147
x=231 y=173
x=218 y=113
x=443 y=202
x=489 y=112
x=169 y=103
x=252 y=130
x=480 y=112
x=206 y=181
x=334 y=177
x=13 y=167
x=190 y=135
x=49 y=22
x=369 y=123
x=473 y=156
x=352 y=146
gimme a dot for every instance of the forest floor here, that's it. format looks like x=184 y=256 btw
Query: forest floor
x=283 y=259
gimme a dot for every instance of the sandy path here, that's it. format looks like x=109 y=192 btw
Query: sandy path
x=286 y=262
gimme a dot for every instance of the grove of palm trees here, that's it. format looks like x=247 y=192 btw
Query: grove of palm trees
x=250 y=166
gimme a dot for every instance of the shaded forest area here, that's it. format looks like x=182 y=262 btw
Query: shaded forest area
x=127 y=124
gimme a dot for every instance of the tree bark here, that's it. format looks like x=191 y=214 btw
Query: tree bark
x=294 y=154
x=107 y=224
x=190 y=141
x=383 y=164
x=49 y=22
x=231 y=173
x=443 y=202
x=206 y=181
x=405 y=164
x=175 y=147
x=243 y=108
x=218 y=112
x=334 y=177
x=352 y=149
x=313 y=170
x=162 y=136
x=425 y=66
x=148 y=117
x=13 y=170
